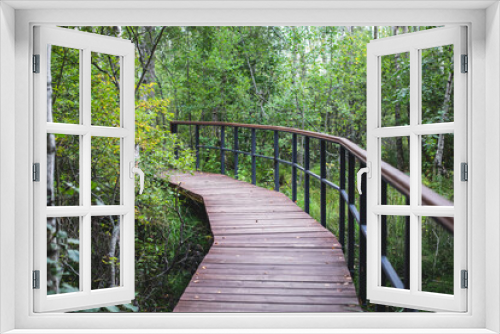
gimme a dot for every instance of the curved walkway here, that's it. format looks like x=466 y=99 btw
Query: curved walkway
x=268 y=255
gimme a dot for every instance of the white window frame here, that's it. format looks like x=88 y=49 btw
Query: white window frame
x=86 y=43
x=484 y=103
x=413 y=44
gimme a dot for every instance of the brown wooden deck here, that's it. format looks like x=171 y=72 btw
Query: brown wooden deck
x=268 y=255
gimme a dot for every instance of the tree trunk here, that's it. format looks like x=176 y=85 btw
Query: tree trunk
x=115 y=239
x=397 y=112
x=438 y=160
x=300 y=148
x=52 y=254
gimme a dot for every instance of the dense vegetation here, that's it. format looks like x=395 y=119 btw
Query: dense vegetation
x=312 y=78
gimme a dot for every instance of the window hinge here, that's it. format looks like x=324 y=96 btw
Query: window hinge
x=465 y=63
x=464 y=171
x=36 y=279
x=36 y=63
x=465 y=279
x=36 y=172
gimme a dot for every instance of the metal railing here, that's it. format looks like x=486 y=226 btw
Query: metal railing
x=350 y=152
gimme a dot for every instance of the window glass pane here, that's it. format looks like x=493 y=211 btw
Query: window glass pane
x=395 y=81
x=63 y=170
x=105 y=170
x=64 y=91
x=395 y=242
x=396 y=153
x=437 y=168
x=105 y=252
x=437 y=255
x=63 y=255
x=105 y=91
x=437 y=84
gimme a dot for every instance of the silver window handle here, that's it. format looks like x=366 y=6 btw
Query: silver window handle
x=135 y=170
x=368 y=172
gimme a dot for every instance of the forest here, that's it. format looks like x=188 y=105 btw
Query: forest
x=305 y=77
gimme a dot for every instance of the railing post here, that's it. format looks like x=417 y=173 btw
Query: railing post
x=341 y=199
x=362 y=238
x=254 y=178
x=236 y=149
x=306 y=174
x=294 y=167
x=173 y=130
x=276 y=162
x=383 y=239
x=350 y=222
x=323 y=184
x=197 y=144
x=222 y=150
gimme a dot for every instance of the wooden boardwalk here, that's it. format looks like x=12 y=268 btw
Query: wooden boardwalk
x=268 y=255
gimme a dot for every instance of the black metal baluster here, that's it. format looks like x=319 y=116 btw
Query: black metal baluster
x=197 y=144
x=294 y=167
x=222 y=150
x=236 y=149
x=383 y=240
x=341 y=199
x=173 y=130
x=362 y=238
x=276 y=162
x=350 y=222
x=254 y=177
x=323 y=184
x=306 y=174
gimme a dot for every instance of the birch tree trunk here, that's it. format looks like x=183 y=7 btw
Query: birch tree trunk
x=115 y=239
x=52 y=228
x=438 y=159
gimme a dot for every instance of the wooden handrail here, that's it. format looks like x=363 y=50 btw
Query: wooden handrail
x=396 y=178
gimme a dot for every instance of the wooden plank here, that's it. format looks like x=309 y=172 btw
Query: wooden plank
x=216 y=186
x=276 y=215
x=230 y=191
x=344 y=291
x=296 y=235
x=275 y=251
x=270 y=259
x=270 y=299
x=282 y=271
x=245 y=196
x=280 y=238
x=267 y=256
x=271 y=284
x=204 y=306
x=259 y=224
x=276 y=278
x=282 y=222
x=241 y=200
x=260 y=266
x=253 y=209
x=269 y=235
x=285 y=246
x=271 y=229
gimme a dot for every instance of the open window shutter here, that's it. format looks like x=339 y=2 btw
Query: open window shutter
x=413 y=47
x=83 y=236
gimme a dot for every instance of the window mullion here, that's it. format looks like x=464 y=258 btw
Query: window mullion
x=415 y=176
x=85 y=232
